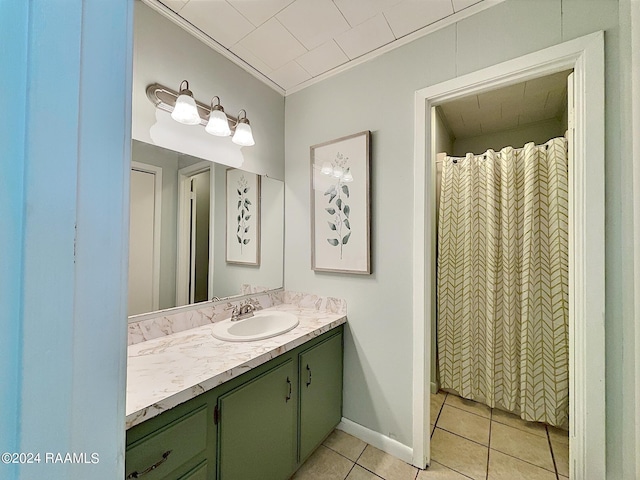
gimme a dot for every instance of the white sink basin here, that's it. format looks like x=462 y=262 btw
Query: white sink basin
x=263 y=324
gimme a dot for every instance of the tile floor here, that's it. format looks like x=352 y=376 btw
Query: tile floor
x=468 y=441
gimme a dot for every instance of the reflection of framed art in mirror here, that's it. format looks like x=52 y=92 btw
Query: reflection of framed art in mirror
x=242 y=217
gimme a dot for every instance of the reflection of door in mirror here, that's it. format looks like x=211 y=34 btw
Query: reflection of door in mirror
x=144 y=238
x=193 y=282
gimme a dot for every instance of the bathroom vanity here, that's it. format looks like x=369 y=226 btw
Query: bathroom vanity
x=203 y=408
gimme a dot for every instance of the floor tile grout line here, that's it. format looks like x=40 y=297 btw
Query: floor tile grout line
x=553 y=457
x=435 y=423
x=362 y=452
x=370 y=471
x=490 y=413
x=523 y=431
x=467 y=411
x=453 y=469
x=444 y=400
x=521 y=459
x=374 y=473
x=520 y=429
x=543 y=425
x=489 y=442
x=466 y=438
x=439 y=413
x=462 y=436
x=457 y=471
x=353 y=465
x=342 y=455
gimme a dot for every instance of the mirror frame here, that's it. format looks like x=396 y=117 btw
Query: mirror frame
x=196 y=306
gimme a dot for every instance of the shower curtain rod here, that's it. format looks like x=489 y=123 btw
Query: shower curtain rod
x=498 y=152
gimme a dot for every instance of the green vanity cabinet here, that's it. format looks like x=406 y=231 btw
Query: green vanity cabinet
x=174 y=447
x=256 y=423
x=199 y=472
x=260 y=425
x=320 y=370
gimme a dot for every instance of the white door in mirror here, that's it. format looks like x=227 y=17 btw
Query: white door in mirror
x=263 y=324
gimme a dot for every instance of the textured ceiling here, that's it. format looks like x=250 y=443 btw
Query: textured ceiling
x=293 y=42
x=525 y=103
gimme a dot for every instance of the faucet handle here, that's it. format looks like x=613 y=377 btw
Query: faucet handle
x=247 y=308
x=254 y=303
x=235 y=310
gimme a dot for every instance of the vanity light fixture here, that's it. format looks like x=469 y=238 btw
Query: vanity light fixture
x=185 y=110
x=218 y=123
x=243 y=135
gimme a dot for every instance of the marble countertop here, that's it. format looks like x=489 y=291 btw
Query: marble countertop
x=167 y=371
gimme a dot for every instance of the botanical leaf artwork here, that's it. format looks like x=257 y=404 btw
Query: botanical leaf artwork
x=338 y=209
x=244 y=212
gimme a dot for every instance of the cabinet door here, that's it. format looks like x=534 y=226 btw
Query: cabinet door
x=256 y=427
x=320 y=392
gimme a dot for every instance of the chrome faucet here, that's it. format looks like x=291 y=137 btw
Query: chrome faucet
x=241 y=312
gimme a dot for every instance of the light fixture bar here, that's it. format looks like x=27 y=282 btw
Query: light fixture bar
x=165 y=99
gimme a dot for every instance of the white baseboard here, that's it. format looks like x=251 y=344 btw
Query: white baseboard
x=378 y=440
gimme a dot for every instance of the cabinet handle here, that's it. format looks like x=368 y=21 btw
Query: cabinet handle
x=308 y=376
x=135 y=473
x=288 y=397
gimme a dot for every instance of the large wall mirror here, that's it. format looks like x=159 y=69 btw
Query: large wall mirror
x=178 y=252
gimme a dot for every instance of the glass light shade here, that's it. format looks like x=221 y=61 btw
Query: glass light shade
x=337 y=172
x=243 y=135
x=186 y=110
x=218 y=124
x=327 y=169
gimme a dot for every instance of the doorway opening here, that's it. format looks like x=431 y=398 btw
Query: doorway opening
x=585 y=56
x=195 y=238
x=499 y=342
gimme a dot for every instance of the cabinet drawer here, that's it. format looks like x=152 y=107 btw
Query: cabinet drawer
x=169 y=447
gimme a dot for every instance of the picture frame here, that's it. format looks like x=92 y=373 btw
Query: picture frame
x=340 y=205
x=242 y=196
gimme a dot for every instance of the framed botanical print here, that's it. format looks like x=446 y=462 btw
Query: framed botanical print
x=340 y=211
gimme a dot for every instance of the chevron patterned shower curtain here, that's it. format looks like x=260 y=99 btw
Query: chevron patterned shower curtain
x=503 y=280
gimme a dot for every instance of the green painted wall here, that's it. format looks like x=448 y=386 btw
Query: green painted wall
x=378 y=96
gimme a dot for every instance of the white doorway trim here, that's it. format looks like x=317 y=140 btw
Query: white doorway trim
x=157 y=226
x=183 y=261
x=586 y=241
